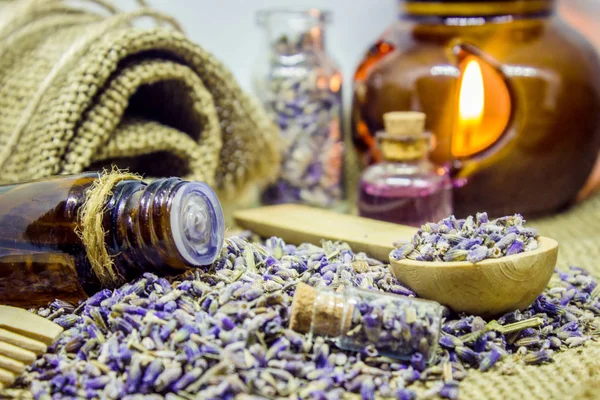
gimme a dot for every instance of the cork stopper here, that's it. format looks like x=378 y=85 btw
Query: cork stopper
x=302 y=308
x=322 y=313
x=404 y=138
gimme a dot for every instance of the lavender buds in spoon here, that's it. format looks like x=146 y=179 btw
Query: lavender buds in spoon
x=475 y=265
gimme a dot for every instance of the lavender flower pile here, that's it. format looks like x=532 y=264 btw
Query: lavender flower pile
x=396 y=326
x=223 y=333
x=306 y=105
x=472 y=239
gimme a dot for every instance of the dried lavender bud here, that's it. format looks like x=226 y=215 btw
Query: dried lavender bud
x=405 y=394
x=456 y=255
x=449 y=390
x=367 y=389
x=576 y=341
x=477 y=254
x=403 y=251
x=490 y=359
x=418 y=362
x=450 y=342
x=470 y=239
x=555 y=342
x=539 y=357
x=515 y=247
x=529 y=341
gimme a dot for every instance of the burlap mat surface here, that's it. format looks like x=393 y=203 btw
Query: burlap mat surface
x=575 y=373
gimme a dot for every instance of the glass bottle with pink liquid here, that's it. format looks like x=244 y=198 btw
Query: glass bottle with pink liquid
x=405 y=188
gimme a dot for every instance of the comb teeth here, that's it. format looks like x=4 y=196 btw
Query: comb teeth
x=23 y=342
x=23 y=338
x=9 y=364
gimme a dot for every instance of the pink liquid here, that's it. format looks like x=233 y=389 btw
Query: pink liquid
x=405 y=199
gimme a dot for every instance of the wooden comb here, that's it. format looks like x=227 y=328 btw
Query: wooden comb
x=24 y=337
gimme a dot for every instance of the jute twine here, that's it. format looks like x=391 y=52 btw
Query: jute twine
x=91 y=230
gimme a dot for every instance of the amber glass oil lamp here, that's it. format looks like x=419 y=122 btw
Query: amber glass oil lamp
x=511 y=93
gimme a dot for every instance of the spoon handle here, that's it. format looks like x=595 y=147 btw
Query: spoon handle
x=298 y=224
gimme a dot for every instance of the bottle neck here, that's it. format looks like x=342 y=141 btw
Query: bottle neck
x=405 y=161
x=474 y=12
x=405 y=150
x=292 y=43
x=294 y=32
x=167 y=225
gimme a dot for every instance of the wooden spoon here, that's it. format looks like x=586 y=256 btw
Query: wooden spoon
x=488 y=288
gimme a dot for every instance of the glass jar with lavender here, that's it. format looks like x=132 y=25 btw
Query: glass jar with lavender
x=300 y=85
x=369 y=321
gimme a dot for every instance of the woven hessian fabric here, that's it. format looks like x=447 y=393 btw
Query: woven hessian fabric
x=145 y=99
x=575 y=373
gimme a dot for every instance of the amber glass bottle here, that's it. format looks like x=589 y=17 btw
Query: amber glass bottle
x=511 y=93
x=162 y=227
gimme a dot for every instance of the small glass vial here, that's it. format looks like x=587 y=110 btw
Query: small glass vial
x=301 y=87
x=163 y=227
x=406 y=188
x=369 y=321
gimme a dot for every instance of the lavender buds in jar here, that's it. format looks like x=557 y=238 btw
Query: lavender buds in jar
x=369 y=321
x=300 y=86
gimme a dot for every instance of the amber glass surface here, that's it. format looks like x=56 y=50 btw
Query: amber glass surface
x=545 y=153
x=43 y=258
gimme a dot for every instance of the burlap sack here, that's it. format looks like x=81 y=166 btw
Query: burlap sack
x=575 y=373
x=82 y=89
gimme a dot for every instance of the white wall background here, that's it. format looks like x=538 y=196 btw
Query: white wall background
x=227 y=28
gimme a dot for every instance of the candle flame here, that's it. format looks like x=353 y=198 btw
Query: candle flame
x=471 y=100
x=484 y=108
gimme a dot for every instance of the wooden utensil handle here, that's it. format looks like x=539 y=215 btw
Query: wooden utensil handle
x=298 y=224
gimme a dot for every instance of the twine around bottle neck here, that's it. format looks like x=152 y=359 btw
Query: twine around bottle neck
x=91 y=230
